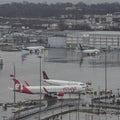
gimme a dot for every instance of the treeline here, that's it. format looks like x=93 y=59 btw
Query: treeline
x=45 y=10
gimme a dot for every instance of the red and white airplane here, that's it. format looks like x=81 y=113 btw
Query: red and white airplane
x=47 y=90
x=61 y=82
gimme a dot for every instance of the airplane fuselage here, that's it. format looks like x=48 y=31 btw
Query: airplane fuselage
x=50 y=89
x=90 y=51
x=34 y=48
x=62 y=82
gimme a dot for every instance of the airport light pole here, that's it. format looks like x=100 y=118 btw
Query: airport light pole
x=14 y=86
x=118 y=91
x=105 y=75
x=40 y=87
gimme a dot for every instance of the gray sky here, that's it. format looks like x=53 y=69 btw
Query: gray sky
x=54 y=1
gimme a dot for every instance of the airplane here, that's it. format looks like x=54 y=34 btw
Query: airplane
x=61 y=82
x=90 y=52
x=32 y=49
x=46 y=90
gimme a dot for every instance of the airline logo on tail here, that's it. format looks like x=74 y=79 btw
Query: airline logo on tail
x=15 y=81
x=45 y=75
x=81 y=48
x=19 y=87
x=45 y=89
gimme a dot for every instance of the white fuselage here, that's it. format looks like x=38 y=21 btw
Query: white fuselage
x=50 y=89
x=63 y=82
x=55 y=89
x=34 y=48
x=91 y=51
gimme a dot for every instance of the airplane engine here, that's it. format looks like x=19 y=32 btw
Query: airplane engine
x=61 y=93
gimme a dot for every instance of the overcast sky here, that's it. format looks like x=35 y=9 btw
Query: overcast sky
x=54 y=1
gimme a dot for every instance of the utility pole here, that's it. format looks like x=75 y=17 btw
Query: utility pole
x=105 y=76
x=14 y=86
x=40 y=88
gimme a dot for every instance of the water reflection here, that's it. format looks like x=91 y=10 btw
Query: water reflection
x=1 y=67
x=50 y=100
x=24 y=56
x=63 y=56
x=81 y=61
x=70 y=56
x=113 y=60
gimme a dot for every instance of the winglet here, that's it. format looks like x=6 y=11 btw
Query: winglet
x=27 y=83
x=45 y=75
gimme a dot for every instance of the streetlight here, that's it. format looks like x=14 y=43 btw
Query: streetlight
x=14 y=87
x=40 y=86
x=118 y=91
x=105 y=76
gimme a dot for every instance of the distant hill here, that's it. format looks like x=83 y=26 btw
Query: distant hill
x=62 y=1
x=44 y=10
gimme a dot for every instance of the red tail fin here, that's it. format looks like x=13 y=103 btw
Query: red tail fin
x=19 y=85
x=45 y=75
x=15 y=80
x=45 y=89
x=12 y=76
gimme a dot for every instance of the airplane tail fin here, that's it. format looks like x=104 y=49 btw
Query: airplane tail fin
x=45 y=75
x=81 y=48
x=19 y=87
x=12 y=76
x=45 y=90
x=16 y=82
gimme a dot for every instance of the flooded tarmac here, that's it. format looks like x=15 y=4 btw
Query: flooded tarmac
x=59 y=64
